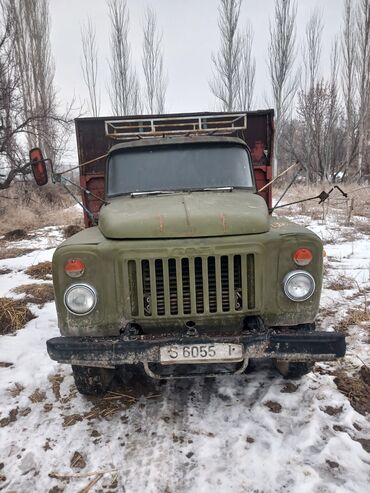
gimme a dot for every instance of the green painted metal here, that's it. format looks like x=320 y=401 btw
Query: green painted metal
x=184 y=215
x=269 y=241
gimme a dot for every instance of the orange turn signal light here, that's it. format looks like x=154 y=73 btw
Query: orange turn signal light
x=302 y=256
x=74 y=268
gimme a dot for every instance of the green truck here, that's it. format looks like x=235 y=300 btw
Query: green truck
x=181 y=269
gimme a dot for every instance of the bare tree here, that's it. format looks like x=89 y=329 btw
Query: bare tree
x=28 y=113
x=33 y=53
x=281 y=53
x=334 y=136
x=309 y=92
x=312 y=50
x=152 y=62
x=316 y=137
x=363 y=74
x=349 y=83
x=247 y=70
x=124 y=90
x=89 y=65
x=225 y=84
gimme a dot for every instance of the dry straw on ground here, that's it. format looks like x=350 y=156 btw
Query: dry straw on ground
x=29 y=207
x=14 y=315
x=14 y=252
x=356 y=388
x=336 y=204
x=71 y=230
x=16 y=234
x=42 y=271
x=341 y=282
x=36 y=293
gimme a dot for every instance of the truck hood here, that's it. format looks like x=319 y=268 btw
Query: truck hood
x=184 y=215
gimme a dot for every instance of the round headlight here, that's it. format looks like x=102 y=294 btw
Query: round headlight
x=299 y=285
x=80 y=299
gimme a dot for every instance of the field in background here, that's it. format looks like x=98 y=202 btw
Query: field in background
x=360 y=194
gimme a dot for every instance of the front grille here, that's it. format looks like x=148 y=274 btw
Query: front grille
x=191 y=285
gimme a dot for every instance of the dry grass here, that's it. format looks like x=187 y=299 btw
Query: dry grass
x=16 y=389
x=71 y=230
x=15 y=234
x=363 y=227
x=14 y=315
x=355 y=316
x=36 y=293
x=340 y=283
x=28 y=207
x=356 y=388
x=42 y=271
x=14 y=252
x=336 y=203
x=37 y=396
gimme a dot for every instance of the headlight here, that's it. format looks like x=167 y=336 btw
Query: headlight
x=299 y=285
x=80 y=299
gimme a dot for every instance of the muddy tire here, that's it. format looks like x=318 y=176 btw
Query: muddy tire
x=293 y=370
x=92 y=381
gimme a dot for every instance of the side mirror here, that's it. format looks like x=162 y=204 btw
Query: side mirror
x=38 y=166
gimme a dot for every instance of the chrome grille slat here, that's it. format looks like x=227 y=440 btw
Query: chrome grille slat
x=167 y=287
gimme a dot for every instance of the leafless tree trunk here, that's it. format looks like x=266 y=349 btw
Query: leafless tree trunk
x=225 y=84
x=349 y=86
x=280 y=64
x=363 y=73
x=312 y=50
x=311 y=60
x=332 y=135
x=124 y=90
x=247 y=70
x=89 y=65
x=152 y=62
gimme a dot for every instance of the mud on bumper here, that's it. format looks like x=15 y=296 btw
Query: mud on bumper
x=115 y=351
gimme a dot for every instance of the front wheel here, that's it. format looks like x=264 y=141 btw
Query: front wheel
x=293 y=369
x=90 y=380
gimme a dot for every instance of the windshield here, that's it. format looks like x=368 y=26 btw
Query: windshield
x=179 y=167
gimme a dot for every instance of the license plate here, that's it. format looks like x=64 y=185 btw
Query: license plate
x=201 y=353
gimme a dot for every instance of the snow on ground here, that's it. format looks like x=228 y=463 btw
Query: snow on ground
x=251 y=433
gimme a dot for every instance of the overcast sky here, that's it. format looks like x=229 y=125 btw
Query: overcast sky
x=190 y=35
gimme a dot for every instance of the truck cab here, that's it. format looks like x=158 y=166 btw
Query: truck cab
x=181 y=269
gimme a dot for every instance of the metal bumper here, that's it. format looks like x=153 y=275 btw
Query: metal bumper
x=115 y=351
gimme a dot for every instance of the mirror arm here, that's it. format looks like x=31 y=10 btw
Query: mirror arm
x=60 y=179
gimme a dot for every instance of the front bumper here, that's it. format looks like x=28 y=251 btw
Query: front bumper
x=115 y=351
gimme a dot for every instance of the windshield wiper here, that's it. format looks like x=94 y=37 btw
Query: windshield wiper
x=202 y=189
x=217 y=189
x=152 y=192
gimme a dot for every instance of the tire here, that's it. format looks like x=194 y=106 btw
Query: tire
x=90 y=380
x=293 y=369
